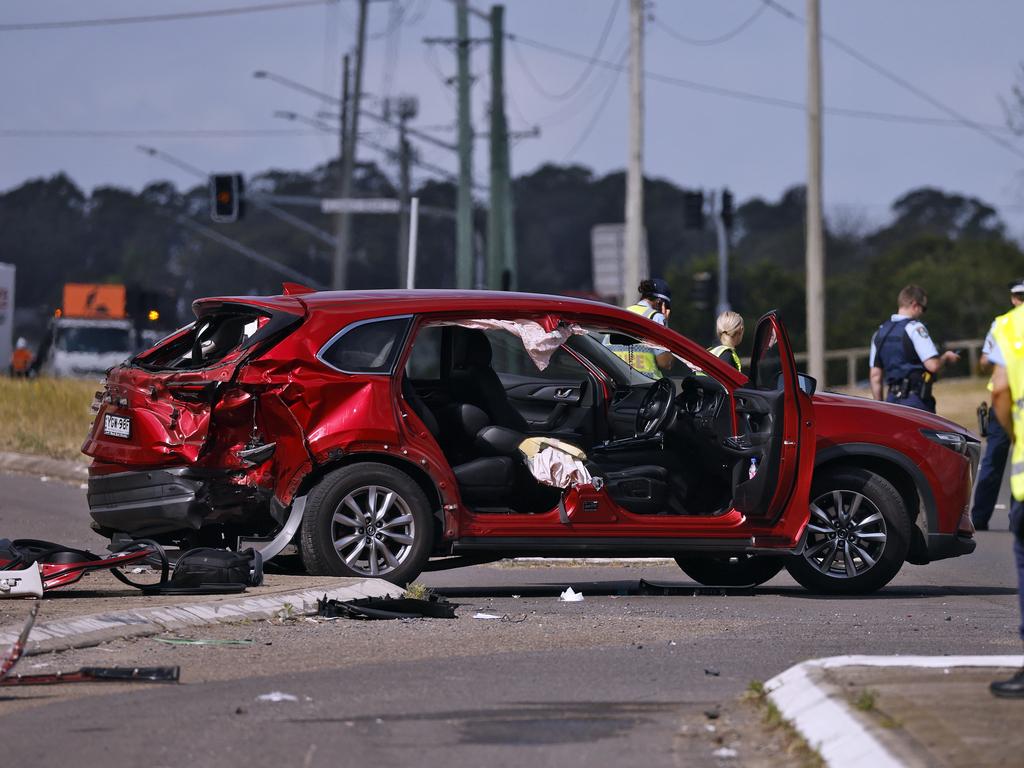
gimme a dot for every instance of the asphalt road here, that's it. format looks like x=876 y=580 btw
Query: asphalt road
x=619 y=678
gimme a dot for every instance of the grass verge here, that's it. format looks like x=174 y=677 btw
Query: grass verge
x=49 y=417
x=799 y=752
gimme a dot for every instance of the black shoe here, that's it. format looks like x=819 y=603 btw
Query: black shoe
x=981 y=526
x=1009 y=689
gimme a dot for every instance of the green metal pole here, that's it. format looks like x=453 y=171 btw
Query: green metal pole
x=497 y=223
x=464 y=201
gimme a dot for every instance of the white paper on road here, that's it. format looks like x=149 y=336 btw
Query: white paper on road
x=485 y=616
x=570 y=596
x=277 y=696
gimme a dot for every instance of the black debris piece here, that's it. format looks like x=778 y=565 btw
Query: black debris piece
x=650 y=588
x=99 y=675
x=434 y=607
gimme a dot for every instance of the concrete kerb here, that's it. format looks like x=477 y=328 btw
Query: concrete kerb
x=86 y=631
x=43 y=466
x=822 y=717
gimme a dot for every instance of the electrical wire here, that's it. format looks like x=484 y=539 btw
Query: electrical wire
x=888 y=74
x=775 y=101
x=170 y=133
x=180 y=16
x=587 y=70
x=712 y=40
x=597 y=114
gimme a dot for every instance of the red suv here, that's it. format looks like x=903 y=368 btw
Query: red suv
x=370 y=432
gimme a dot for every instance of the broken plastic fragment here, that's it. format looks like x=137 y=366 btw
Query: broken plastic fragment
x=725 y=752
x=570 y=596
x=479 y=615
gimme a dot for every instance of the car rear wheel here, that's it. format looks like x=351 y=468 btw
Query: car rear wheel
x=730 y=571
x=369 y=520
x=857 y=537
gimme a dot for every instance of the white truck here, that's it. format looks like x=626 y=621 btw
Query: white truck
x=85 y=346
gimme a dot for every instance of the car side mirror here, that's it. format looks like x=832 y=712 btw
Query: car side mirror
x=807 y=384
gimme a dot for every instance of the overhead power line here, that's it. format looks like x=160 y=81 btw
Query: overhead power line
x=774 y=101
x=166 y=133
x=957 y=116
x=712 y=40
x=587 y=70
x=181 y=16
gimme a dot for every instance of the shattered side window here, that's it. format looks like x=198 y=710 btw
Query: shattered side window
x=366 y=347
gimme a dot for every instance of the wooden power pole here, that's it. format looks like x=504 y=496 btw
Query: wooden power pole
x=815 y=227
x=635 y=268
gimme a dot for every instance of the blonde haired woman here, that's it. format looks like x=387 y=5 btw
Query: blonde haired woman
x=729 y=327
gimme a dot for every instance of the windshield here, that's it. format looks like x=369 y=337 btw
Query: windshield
x=94 y=340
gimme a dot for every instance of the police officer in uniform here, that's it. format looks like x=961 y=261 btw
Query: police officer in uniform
x=1007 y=400
x=729 y=327
x=997 y=442
x=904 y=356
x=655 y=304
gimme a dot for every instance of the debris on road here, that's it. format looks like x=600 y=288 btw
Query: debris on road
x=434 y=607
x=277 y=696
x=570 y=596
x=479 y=615
x=99 y=675
x=10 y=658
x=201 y=641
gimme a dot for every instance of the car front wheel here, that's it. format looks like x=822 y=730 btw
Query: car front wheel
x=857 y=537
x=367 y=520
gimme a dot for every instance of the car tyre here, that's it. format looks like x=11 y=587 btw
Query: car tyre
x=857 y=537
x=367 y=520
x=730 y=571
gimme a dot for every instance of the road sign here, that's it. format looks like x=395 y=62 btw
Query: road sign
x=608 y=253
x=360 y=205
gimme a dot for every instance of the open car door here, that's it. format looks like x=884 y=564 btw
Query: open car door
x=775 y=430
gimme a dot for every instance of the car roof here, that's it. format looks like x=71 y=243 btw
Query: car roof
x=387 y=301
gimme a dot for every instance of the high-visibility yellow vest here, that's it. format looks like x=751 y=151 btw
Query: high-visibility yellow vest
x=639 y=357
x=717 y=351
x=1009 y=335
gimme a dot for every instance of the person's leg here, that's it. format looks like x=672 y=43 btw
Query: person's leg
x=1014 y=687
x=990 y=476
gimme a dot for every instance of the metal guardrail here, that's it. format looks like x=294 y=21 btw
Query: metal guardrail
x=972 y=348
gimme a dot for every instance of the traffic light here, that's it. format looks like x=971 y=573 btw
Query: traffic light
x=693 y=210
x=702 y=290
x=726 y=214
x=226 y=191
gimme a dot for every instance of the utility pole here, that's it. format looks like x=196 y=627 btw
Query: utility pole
x=635 y=268
x=350 y=132
x=464 y=272
x=815 y=229
x=500 y=234
x=406 y=106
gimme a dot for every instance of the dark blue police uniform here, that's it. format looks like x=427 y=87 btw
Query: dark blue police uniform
x=899 y=348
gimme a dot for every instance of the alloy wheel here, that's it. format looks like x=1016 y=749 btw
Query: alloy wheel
x=846 y=534
x=373 y=530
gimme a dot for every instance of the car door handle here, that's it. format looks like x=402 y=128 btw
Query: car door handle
x=567 y=393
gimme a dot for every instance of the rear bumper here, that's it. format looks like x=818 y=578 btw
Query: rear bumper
x=162 y=501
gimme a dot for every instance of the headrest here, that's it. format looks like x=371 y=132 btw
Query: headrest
x=470 y=348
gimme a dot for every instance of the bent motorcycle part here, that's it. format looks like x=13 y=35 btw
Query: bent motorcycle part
x=25 y=582
x=14 y=653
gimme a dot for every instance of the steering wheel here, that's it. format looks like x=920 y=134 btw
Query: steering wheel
x=656 y=409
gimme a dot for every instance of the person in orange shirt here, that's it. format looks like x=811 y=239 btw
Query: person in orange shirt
x=21 y=359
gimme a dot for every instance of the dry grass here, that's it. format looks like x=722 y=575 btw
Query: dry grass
x=50 y=417
x=956 y=399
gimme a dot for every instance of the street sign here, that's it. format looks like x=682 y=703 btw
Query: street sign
x=360 y=205
x=608 y=254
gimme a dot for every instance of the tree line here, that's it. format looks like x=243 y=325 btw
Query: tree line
x=954 y=246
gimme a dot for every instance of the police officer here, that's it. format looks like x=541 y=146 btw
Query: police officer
x=729 y=327
x=997 y=442
x=1007 y=395
x=655 y=304
x=904 y=356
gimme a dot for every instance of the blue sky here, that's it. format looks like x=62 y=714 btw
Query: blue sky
x=197 y=75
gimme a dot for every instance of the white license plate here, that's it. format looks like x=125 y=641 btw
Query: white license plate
x=117 y=426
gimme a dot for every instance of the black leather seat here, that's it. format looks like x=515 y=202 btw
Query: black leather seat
x=483 y=482
x=473 y=380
